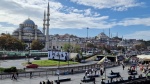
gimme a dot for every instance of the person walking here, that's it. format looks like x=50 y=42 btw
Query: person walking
x=30 y=74
x=101 y=72
x=123 y=66
x=13 y=77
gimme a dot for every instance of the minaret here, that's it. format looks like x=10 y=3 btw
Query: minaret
x=47 y=30
x=44 y=20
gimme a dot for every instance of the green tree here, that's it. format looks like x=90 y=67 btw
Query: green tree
x=77 y=49
x=37 y=45
x=8 y=42
x=121 y=48
x=66 y=47
x=90 y=45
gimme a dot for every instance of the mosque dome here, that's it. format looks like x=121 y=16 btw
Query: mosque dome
x=28 y=22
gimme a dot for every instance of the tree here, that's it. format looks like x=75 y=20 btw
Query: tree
x=77 y=49
x=90 y=45
x=8 y=42
x=66 y=47
x=121 y=48
x=37 y=45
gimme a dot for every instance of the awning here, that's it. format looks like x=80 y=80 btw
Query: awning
x=101 y=61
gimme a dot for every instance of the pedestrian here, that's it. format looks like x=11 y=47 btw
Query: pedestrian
x=94 y=80
x=30 y=74
x=71 y=71
x=95 y=71
x=13 y=77
x=86 y=73
x=92 y=71
x=17 y=74
x=51 y=82
x=40 y=82
x=101 y=72
x=112 y=72
x=24 y=68
x=44 y=82
x=48 y=82
x=123 y=67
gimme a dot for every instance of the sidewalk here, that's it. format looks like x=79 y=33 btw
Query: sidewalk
x=75 y=78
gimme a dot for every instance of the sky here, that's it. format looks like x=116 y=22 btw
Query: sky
x=129 y=19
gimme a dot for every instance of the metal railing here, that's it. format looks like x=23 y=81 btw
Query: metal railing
x=52 y=71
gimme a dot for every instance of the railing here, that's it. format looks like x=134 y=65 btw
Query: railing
x=52 y=71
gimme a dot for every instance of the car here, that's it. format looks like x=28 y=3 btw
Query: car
x=82 y=61
x=32 y=66
x=36 y=58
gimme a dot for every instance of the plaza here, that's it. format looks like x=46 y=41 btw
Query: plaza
x=75 y=78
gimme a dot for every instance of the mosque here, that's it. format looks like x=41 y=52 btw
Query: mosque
x=28 y=31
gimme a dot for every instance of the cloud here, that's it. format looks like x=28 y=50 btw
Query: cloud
x=15 y=12
x=6 y=29
x=117 y=5
x=138 y=35
x=135 y=21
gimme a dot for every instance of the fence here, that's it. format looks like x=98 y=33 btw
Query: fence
x=53 y=71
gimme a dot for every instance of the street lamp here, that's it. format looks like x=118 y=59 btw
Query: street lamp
x=68 y=53
x=87 y=39
x=58 y=69
x=105 y=66
x=29 y=49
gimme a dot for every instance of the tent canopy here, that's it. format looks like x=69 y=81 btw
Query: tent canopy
x=101 y=61
x=144 y=57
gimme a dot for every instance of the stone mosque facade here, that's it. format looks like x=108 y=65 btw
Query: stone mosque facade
x=28 y=31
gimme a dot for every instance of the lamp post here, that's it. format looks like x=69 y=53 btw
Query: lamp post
x=105 y=66
x=68 y=53
x=29 y=49
x=87 y=39
x=58 y=70
x=105 y=63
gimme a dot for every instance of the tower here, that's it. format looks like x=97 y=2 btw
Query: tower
x=47 y=29
x=44 y=20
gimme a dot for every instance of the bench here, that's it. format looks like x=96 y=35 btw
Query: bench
x=88 y=79
x=63 y=80
x=117 y=74
x=92 y=76
x=132 y=73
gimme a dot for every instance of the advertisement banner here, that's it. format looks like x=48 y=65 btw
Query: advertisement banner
x=58 y=55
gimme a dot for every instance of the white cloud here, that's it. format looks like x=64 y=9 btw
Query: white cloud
x=6 y=29
x=135 y=21
x=15 y=12
x=117 y=5
x=139 y=35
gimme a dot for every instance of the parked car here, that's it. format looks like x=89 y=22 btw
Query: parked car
x=36 y=58
x=32 y=66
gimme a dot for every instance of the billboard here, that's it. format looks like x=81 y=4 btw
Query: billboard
x=58 y=55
